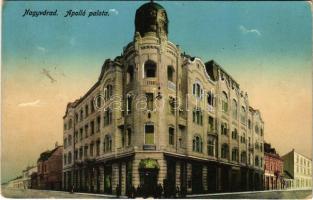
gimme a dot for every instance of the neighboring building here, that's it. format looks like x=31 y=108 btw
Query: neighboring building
x=27 y=173
x=23 y=181
x=273 y=169
x=49 y=164
x=213 y=143
x=18 y=183
x=299 y=168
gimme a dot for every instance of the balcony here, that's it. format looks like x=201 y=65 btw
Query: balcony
x=150 y=82
x=149 y=147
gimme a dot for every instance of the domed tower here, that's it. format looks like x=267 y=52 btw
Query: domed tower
x=151 y=19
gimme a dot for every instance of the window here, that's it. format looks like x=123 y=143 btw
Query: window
x=98 y=148
x=65 y=142
x=256 y=161
x=86 y=151
x=197 y=116
x=172 y=105
x=170 y=73
x=211 y=145
x=92 y=106
x=81 y=134
x=210 y=124
x=197 y=90
x=75 y=154
x=235 y=109
x=129 y=136
x=91 y=150
x=243 y=157
x=243 y=115
x=75 y=136
x=224 y=151
x=149 y=134
x=129 y=104
x=197 y=144
x=80 y=153
x=256 y=129
x=81 y=115
x=234 y=134
x=224 y=102
x=150 y=69
x=109 y=92
x=86 y=130
x=69 y=157
x=261 y=131
x=210 y=98
x=70 y=140
x=130 y=74
x=92 y=126
x=87 y=110
x=243 y=138
x=65 y=159
x=149 y=98
x=249 y=124
x=234 y=154
x=224 y=130
x=107 y=117
x=76 y=117
x=70 y=124
x=171 y=132
x=98 y=123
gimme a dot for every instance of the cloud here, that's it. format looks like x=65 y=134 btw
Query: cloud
x=30 y=104
x=114 y=11
x=42 y=49
x=244 y=30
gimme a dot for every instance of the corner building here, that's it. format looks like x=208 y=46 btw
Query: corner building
x=179 y=122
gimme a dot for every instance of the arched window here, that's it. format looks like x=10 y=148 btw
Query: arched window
x=170 y=73
x=234 y=134
x=130 y=74
x=234 y=154
x=197 y=116
x=149 y=133
x=129 y=103
x=150 y=69
x=65 y=159
x=197 y=90
x=211 y=145
x=224 y=102
x=243 y=114
x=129 y=136
x=234 y=108
x=243 y=157
x=225 y=151
x=197 y=144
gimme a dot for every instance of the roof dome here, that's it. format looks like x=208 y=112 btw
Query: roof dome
x=151 y=18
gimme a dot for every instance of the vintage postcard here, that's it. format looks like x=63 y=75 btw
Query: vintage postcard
x=156 y=99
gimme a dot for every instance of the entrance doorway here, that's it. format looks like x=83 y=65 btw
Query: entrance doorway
x=197 y=186
x=148 y=181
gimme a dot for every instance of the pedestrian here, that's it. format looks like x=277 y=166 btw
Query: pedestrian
x=118 y=191
x=159 y=191
x=72 y=189
x=177 y=192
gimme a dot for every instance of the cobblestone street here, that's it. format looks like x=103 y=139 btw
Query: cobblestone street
x=287 y=194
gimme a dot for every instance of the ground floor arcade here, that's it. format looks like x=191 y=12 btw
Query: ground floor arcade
x=148 y=170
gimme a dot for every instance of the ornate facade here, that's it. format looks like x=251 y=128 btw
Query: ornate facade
x=157 y=115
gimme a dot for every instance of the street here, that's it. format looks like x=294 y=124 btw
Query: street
x=287 y=194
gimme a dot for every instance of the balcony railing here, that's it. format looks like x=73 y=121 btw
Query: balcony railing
x=150 y=81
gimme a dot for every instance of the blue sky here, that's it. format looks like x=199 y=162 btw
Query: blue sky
x=265 y=46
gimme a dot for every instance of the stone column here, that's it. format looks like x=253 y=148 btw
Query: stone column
x=205 y=178
x=115 y=176
x=189 y=178
x=135 y=172
x=178 y=181
x=123 y=179
x=162 y=171
x=101 y=178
